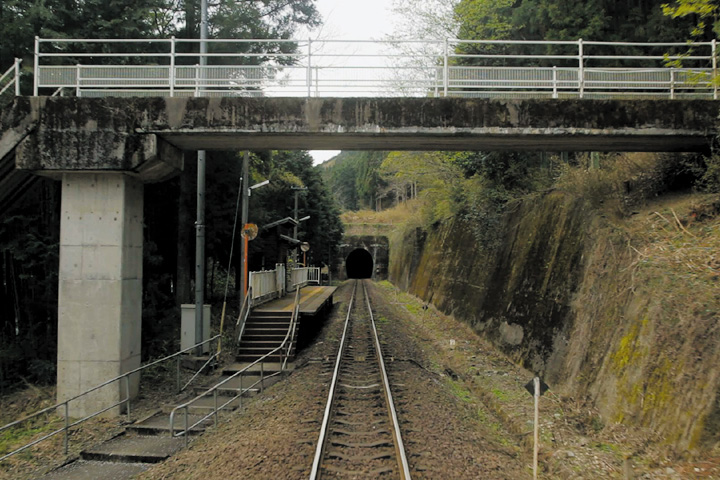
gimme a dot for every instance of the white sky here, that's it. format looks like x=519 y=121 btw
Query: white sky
x=351 y=20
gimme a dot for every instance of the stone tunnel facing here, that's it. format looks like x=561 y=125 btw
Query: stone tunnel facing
x=359 y=264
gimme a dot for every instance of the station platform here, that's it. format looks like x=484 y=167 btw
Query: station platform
x=313 y=300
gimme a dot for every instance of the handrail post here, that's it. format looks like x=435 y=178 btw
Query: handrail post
x=581 y=69
x=36 y=67
x=77 y=80
x=672 y=83
x=197 y=80
x=309 y=68
x=262 y=375
x=215 y=396
x=446 y=69
x=555 y=82
x=17 y=76
x=714 y=67
x=186 y=426
x=177 y=374
x=171 y=77
x=127 y=398
x=66 y=441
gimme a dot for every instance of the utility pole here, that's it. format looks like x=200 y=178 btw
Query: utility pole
x=200 y=224
x=244 y=220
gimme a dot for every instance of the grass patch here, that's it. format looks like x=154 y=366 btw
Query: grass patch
x=460 y=391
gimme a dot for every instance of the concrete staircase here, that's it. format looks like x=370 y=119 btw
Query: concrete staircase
x=148 y=440
x=264 y=332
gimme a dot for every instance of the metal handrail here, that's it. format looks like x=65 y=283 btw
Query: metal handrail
x=284 y=356
x=12 y=77
x=65 y=404
x=243 y=316
x=322 y=70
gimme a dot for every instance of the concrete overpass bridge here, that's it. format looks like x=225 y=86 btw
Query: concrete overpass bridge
x=104 y=150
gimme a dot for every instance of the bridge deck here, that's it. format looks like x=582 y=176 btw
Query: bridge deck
x=312 y=300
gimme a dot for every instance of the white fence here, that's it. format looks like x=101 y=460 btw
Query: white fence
x=493 y=69
x=299 y=277
x=10 y=80
x=270 y=284
x=267 y=284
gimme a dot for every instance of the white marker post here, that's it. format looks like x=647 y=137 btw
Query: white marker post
x=536 y=387
x=536 y=396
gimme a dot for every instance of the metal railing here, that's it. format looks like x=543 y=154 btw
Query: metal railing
x=267 y=284
x=285 y=351
x=480 y=68
x=64 y=406
x=11 y=79
x=300 y=277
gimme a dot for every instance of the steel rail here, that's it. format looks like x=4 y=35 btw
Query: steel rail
x=399 y=446
x=404 y=469
x=314 y=472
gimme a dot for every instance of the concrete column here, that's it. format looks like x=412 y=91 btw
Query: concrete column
x=100 y=290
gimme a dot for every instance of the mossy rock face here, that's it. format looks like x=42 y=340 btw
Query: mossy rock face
x=518 y=294
x=602 y=309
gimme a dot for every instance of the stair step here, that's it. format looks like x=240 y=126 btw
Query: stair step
x=268 y=367
x=159 y=424
x=135 y=449
x=258 y=344
x=92 y=470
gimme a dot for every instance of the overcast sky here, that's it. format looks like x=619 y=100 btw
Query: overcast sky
x=352 y=20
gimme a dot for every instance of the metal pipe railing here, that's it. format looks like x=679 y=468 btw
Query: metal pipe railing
x=377 y=68
x=285 y=350
x=64 y=405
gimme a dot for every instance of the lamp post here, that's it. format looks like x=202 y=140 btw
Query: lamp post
x=295 y=232
x=246 y=192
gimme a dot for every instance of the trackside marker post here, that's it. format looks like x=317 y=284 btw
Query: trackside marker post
x=536 y=387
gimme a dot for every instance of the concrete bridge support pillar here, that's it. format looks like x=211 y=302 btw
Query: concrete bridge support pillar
x=100 y=290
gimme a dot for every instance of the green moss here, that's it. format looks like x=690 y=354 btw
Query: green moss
x=460 y=391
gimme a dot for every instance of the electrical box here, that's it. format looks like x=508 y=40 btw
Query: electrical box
x=187 y=325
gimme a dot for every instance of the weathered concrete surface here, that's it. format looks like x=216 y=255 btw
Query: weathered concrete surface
x=100 y=287
x=115 y=128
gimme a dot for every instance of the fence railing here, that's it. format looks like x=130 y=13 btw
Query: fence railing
x=10 y=80
x=481 y=68
x=300 y=277
x=64 y=407
x=285 y=352
x=267 y=284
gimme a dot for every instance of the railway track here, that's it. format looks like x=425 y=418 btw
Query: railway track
x=360 y=433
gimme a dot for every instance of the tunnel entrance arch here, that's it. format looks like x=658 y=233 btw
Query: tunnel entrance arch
x=359 y=264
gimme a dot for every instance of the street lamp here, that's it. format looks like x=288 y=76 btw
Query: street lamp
x=246 y=230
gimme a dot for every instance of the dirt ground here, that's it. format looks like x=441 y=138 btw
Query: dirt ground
x=464 y=411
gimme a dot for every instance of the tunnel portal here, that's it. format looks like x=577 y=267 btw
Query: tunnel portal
x=359 y=264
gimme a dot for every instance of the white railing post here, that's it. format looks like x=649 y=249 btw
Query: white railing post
x=17 y=76
x=714 y=68
x=446 y=69
x=672 y=83
x=581 y=69
x=309 y=69
x=36 y=67
x=77 y=80
x=197 y=79
x=171 y=77
x=555 y=80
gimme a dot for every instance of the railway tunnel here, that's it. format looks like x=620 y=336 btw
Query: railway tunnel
x=365 y=256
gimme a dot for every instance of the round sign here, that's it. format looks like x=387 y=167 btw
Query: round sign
x=250 y=230
x=304 y=246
